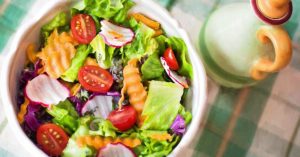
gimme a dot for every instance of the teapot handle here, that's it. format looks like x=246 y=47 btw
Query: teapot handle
x=283 y=51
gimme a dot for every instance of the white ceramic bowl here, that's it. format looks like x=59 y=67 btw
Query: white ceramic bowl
x=29 y=33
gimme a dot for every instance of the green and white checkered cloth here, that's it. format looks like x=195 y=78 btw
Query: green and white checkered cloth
x=261 y=121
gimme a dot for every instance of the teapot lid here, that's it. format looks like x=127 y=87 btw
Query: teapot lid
x=274 y=12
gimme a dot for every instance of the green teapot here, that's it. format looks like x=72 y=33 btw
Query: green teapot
x=241 y=43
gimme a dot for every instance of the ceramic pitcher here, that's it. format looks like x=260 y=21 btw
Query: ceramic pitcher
x=241 y=43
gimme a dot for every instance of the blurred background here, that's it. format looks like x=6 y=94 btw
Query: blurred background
x=261 y=121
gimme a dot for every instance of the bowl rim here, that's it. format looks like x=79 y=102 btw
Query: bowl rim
x=194 y=126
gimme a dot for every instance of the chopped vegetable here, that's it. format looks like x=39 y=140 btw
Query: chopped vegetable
x=95 y=79
x=31 y=53
x=83 y=28
x=163 y=97
x=147 y=21
x=72 y=149
x=23 y=110
x=157 y=148
x=46 y=91
x=30 y=117
x=60 y=21
x=102 y=127
x=58 y=53
x=70 y=75
x=158 y=135
x=114 y=35
x=178 y=126
x=123 y=118
x=175 y=78
x=171 y=59
x=99 y=141
x=104 y=54
x=152 y=68
x=142 y=45
x=108 y=9
x=99 y=106
x=180 y=51
x=52 y=139
x=65 y=115
x=116 y=150
x=134 y=88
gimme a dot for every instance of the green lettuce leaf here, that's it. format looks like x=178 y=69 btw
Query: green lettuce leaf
x=143 y=44
x=73 y=150
x=180 y=51
x=60 y=21
x=121 y=16
x=187 y=116
x=64 y=115
x=104 y=54
x=105 y=128
x=163 y=97
x=115 y=10
x=152 y=68
x=77 y=62
x=154 y=148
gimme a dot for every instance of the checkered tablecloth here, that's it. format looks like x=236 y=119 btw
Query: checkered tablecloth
x=261 y=121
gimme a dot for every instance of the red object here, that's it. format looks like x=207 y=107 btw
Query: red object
x=83 y=28
x=171 y=60
x=95 y=79
x=52 y=139
x=123 y=119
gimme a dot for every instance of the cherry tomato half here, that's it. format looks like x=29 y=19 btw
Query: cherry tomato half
x=83 y=28
x=52 y=139
x=95 y=79
x=171 y=59
x=123 y=119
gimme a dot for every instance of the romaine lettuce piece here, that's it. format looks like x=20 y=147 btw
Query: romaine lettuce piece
x=180 y=51
x=152 y=68
x=103 y=128
x=73 y=150
x=104 y=54
x=115 y=10
x=77 y=62
x=163 y=97
x=59 y=21
x=187 y=116
x=143 y=44
x=155 y=148
x=64 y=115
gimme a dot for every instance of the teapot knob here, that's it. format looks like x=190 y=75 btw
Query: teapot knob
x=274 y=9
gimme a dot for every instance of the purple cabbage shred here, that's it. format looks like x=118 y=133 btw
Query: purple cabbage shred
x=178 y=127
x=30 y=117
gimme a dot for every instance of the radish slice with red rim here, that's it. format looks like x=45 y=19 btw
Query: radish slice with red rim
x=173 y=75
x=46 y=91
x=114 y=35
x=99 y=105
x=116 y=150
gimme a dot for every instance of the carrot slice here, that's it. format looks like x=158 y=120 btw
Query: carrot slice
x=146 y=20
x=58 y=53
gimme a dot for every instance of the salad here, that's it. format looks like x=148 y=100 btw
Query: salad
x=105 y=82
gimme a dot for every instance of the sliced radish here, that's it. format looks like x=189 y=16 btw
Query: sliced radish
x=116 y=150
x=46 y=91
x=173 y=75
x=114 y=35
x=99 y=105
